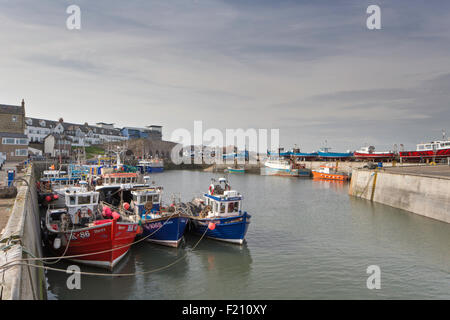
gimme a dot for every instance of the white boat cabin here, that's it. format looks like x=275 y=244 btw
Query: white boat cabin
x=222 y=200
x=119 y=178
x=81 y=203
x=433 y=146
x=147 y=197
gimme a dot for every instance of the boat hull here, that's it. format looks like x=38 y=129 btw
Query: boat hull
x=334 y=155
x=281 y=172
x=373 y=156
x=232 y=170
x=329 y=176
x=102 y=237
x=230 y=229
x=417 y=155
x=166 y=231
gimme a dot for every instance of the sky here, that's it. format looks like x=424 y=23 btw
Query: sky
x=311 y=69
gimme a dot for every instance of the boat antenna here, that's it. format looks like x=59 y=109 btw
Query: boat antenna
x=443 y=134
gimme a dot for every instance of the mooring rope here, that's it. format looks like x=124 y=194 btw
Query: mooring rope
x=102 y=274
x=92 y=253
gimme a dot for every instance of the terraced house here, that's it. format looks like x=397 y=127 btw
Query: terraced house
x=77 y=134
x=14 y=142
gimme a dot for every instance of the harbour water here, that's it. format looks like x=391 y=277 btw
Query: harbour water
x=307 y=240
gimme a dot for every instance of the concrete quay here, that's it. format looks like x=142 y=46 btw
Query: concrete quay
x=424 y=190
x=21 y=239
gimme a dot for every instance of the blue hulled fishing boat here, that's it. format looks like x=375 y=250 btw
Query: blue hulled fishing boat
x=151 y=166
x=326 y=154
x=162 y=225
x=219 y=214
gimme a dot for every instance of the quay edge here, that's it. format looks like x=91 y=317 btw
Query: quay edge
x=22 y=239
x=423 y=190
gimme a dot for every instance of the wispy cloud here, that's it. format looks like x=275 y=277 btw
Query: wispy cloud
x=311 y=69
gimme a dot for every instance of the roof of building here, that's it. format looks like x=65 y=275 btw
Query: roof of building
x=12 y=135
x=57 y=136
x=5 y=108
x=42 y=123
x=136 y=128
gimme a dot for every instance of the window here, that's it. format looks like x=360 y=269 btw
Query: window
x=21 y=152
x=14 y=118
x=9 y=141
x=84 y=199
x=22 y=141
x=72 y=200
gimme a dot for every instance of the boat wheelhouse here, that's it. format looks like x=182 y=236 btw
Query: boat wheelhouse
x=80 y=232
x=116 y=187
x=219 y=215
x=161 y=225
x=435 y=149
x=369 y=153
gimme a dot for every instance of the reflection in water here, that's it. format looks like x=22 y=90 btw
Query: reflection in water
x=329 y=184
x=307 y=240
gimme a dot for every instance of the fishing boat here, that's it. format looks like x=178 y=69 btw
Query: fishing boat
x=280 y=167
x=435 y=149
x=161 y=225
x=80 y=229
x=325 y=153
x=236 y=170
x=115 y=187
x=368 y=153
x=151 y=166
x=52 y=185
x=219 y=214
x=329 y=173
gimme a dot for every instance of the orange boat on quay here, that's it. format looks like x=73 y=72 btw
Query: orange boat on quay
x=329 y=173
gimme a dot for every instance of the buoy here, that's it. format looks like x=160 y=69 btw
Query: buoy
x=115 y=215
x=126 y=206
x=48 y=198
x=107 y=212
x=55 y=196
x=57 y=243
x=211 y=226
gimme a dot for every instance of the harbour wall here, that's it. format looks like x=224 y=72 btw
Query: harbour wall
x=428 y=196
x=21 y=239
x=346 y=166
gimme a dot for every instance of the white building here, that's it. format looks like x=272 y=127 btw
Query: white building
x=79 y=134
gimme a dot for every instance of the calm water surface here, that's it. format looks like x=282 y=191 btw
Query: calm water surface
x=307 y=240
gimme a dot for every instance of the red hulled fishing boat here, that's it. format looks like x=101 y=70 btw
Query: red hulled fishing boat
x=368 y=153
x=87 y=235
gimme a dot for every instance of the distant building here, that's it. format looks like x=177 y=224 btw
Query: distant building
x=14 y=142
x=152 y=132
x=56 y=145
x=78 y=134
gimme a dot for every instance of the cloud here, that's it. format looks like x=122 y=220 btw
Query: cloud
x=311 y=69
